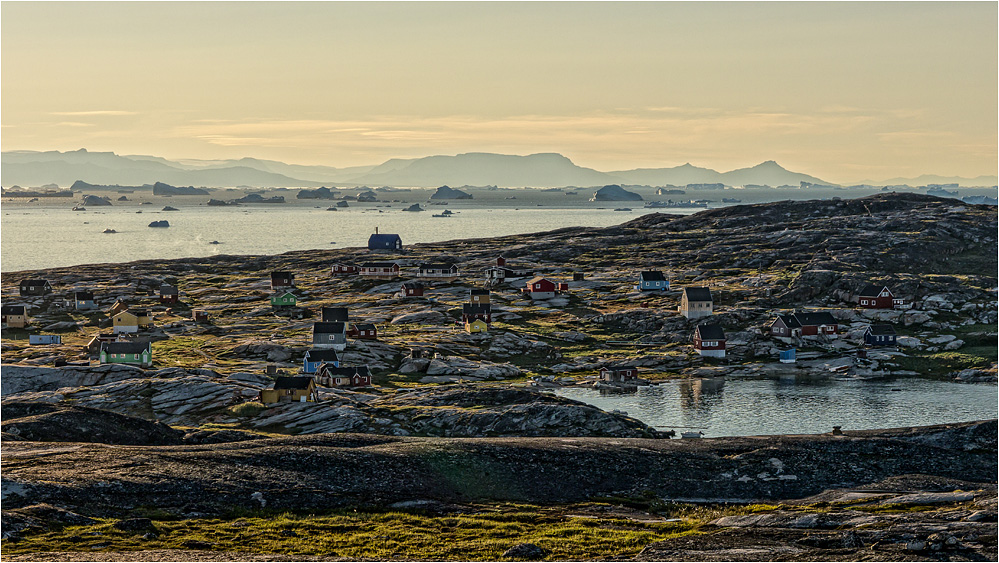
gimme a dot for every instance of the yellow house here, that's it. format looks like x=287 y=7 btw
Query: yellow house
x=15 y=316
x=290 y=390
x=131 y=320
x=478 y=325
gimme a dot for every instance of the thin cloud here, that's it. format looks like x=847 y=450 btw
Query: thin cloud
x=94 y=113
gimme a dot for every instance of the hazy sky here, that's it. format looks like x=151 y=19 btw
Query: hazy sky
x=843 y=91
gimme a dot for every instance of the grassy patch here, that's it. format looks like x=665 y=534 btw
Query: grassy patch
x=248 y=409
x=373 y=535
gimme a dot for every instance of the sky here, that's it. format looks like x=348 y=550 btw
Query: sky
x=843 y=91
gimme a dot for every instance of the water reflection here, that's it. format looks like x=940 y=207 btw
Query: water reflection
x=741 y=407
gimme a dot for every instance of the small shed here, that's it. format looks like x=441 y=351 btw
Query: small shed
x=412 y=289
x=788 y=356
x=618 y=374
x=44 y=339
x=169 y=294
x=282 y=279
x=199 y=315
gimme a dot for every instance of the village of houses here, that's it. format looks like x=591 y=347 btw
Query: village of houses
x=396 y=328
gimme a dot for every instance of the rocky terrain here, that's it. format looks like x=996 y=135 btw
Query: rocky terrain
x=466 y=423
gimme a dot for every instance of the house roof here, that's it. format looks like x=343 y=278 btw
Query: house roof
x=413 y=285
x=881 y=330
x=282 y=275
x=283 y=293
x=85 y=295
x=710 y=332
x=169 y=289
x=438 y=267
x=292 y=382
x=139 y=312
x=325 y=355
x=872 y=290
x=34 y=282
x=476 y=309
x=327 y=328
x=134 y=347
x=13 y=310
x=347 y=371
x=652 y=275
x=380 y=265
x=476 y=291
x=333 y=314
x=815 y=319
x=365 y=326
x=788 y=320
x=697 y=293
x=383 y=240
x=619 y=368
x=536 y=279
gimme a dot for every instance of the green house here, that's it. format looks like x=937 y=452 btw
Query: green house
x=286 y=299
x=134 y=353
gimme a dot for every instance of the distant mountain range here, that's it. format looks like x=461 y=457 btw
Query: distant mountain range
x=31 y=168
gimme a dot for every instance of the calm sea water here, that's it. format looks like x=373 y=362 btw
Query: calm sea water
x=754 y=407
x=47 y=233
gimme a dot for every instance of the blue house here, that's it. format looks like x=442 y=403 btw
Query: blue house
x=44 y=339
x=314 y=357
x=384 y=242
x=652 y=281
x=788 y=356
x=880 y=335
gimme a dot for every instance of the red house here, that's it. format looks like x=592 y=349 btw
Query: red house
x=709 y=340
x=541 y=288
x=344 y=269
x=357 y=376
x=619 y=373
x=879 y=297
x=169 y=294
x=412 y=289
x=379 y=270
x=199 y=316
x=364 y=331
x=817 y=323
x=282 y=279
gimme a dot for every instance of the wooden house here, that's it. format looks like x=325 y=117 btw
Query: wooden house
x=478 y=296
x=344 y=376
x=541 y=288
x=880 y=335
x=282 y=279
x=709 y=340
x=470 y=312
x=786 y=326
x=93 y=347
x=283 y=299
x=817 y=323
x=344 y=269
x=169 y=294
x=290 y=390
x=386 y=270
x=335 y=314
x=130 y=320
x=412 y=289
x=35 y=339
x=500 y=261
x=35 y=287
x=384 y=242
x=199 y=315
x=500 y=271
x=438 y=271
x=119 y=306
x=329 y=335
x=84 y=301
x=652 y=280
x=363 y=331
x=618 y=374
x=476 y=325
x=696 y=302
x=14 y=316
x=317 y=356
x=880 y=297
x=138 y=353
